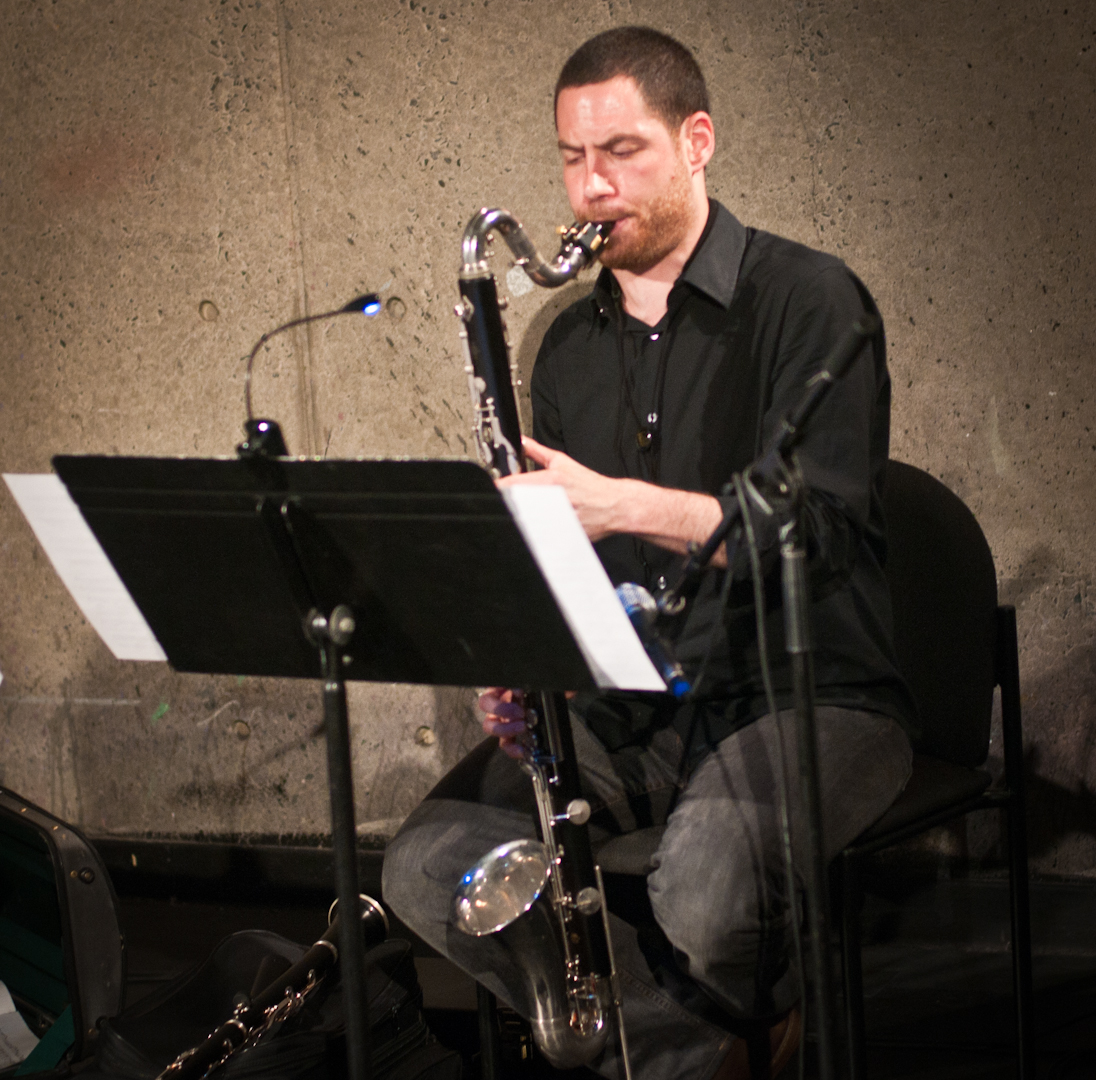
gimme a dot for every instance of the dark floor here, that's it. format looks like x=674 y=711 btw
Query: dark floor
x=937 y=975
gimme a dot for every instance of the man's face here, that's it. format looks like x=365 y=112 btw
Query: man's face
x=621 y=163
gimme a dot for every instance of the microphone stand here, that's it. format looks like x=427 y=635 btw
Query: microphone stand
x=797 y=639
x=777 y=474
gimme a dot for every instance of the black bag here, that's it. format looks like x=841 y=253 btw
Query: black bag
x=61 y=949
x=143 y=1040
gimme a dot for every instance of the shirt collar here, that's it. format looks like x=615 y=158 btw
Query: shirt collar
x=712 y=268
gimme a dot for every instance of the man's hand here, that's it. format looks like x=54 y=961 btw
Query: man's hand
x=598 y=500
x=606 y=505
x=504 y=718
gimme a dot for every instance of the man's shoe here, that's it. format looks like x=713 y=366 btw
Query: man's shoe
x=784 y=1039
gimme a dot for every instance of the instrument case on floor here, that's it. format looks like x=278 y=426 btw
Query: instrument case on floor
x=62 y=956
x=143 y=1040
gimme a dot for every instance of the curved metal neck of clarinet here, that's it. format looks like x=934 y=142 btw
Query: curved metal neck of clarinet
x=579 y=246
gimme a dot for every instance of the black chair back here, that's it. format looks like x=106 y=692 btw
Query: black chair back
x=944 y=595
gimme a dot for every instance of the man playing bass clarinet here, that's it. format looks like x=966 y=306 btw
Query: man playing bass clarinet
x=648 y=396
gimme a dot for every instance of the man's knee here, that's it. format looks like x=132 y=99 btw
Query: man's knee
x=473 y=808
x=434 y=847
x=718 y=909
x=406 y=882
x=728 y=921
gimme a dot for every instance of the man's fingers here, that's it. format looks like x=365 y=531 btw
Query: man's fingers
x=504 y=718
x=504 y=710
x=503 y=729
x=542 y=455
x=538 y=476
x=502 y=701
x=503 y=693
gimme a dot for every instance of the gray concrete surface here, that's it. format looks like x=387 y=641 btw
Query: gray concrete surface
x=178 y=178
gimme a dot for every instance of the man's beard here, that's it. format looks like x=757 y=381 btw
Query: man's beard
x=658 y=228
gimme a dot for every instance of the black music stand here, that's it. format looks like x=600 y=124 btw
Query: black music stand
x=392 y=571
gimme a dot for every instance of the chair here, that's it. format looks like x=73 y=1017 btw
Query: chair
x=954 y=644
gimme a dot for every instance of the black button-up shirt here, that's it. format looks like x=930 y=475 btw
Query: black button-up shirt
x=750 y=319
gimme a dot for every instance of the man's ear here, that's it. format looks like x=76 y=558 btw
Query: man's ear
x=698 y=140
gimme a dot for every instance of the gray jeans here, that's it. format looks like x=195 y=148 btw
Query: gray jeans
x=717 y=887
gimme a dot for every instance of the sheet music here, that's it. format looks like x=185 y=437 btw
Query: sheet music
x=582 y=589
x=82 y=566
x=16 y=1039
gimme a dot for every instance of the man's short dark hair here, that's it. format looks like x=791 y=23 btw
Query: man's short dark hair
x=664 y=70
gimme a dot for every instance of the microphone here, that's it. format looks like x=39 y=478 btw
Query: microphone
x=642 y=611
x=264 y=437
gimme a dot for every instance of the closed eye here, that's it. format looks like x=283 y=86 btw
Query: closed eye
x=623 y=148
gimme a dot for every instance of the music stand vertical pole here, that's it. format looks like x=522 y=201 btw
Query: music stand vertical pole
x=329 y=634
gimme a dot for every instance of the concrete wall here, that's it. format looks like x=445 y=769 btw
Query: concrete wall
x=178 y=178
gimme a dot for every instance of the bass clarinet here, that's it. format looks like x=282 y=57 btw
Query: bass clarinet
x=545 y=900
x=282 y=999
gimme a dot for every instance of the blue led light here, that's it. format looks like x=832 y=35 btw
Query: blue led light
x=369 y=303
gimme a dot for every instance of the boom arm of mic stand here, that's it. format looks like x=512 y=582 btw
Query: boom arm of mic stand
x=770 y=466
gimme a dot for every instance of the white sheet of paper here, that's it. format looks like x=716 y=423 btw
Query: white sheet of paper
x=581 y=587
x=82 y=565
x=16 y=1039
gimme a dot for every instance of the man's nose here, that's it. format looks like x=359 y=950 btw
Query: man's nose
x=596 y=185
